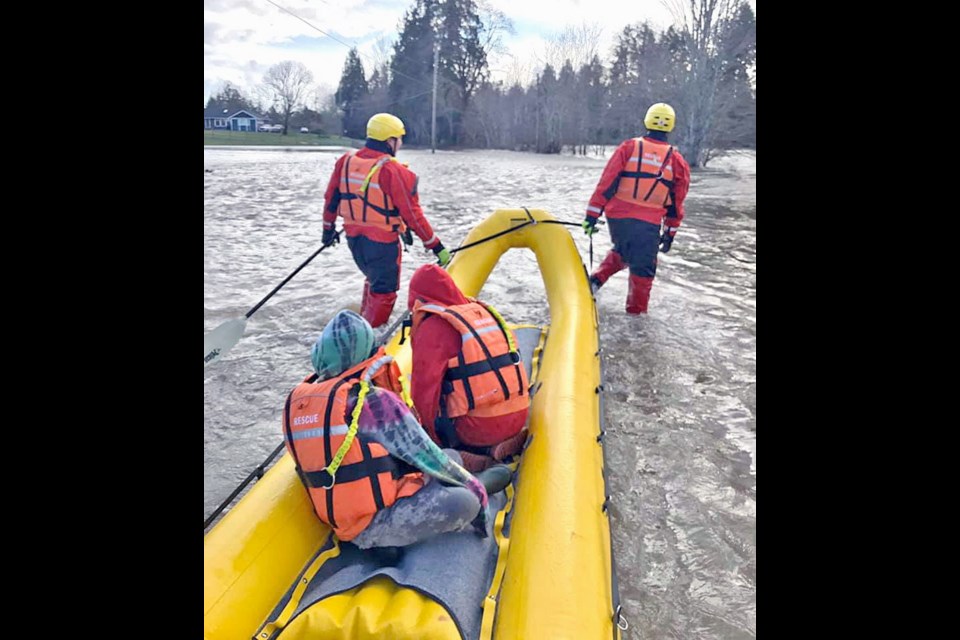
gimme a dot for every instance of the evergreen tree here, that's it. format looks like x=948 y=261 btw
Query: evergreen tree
x=570 y=106
x=463 y=61
x=593 y=94
x=378 y=100
x=230 y=99
x=736 y=125
x=411 y=70
x=352 y=95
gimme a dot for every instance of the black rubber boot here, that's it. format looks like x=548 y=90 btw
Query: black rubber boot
x=495 y=478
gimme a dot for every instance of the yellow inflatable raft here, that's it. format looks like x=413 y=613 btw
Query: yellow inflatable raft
x=553 y=575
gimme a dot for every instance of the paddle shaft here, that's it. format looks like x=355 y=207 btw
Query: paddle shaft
x=287 y=279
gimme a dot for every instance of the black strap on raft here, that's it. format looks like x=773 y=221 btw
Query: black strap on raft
x=530 y=221
x=257 y=473
x=501 y=233
x=405 y=328
x=260 y=469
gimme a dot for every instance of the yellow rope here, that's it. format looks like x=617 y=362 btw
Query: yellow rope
x=351 y=433
x=503 y=325
x=366 y=181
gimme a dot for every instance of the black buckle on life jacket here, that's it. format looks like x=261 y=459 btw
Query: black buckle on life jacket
x=347 y=473
x=319 y=479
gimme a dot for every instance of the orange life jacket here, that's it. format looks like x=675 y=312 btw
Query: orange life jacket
x=647 y=178
x=369 y=479
x=486 y=379
x=362 y=202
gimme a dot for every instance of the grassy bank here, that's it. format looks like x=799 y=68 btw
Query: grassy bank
x=276 y=139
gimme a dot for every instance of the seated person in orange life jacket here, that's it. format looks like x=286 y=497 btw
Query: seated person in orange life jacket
x=364 y=468
x=468 y=383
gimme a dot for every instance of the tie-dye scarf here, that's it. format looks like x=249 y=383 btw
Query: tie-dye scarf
x=386 y=420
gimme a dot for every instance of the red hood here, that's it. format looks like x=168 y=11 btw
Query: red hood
x=430 y=283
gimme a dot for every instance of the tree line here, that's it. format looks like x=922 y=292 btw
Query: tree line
x=704 y=65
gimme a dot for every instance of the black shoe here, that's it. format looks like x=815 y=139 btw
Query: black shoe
x=595 y=284
x=495 y=478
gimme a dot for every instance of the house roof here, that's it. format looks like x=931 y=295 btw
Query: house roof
x=219 y=112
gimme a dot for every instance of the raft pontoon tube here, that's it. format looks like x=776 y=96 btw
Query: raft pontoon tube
x=551 y=575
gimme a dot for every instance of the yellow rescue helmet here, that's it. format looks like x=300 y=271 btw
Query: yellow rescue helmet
x=660 y=117
x=384 y=125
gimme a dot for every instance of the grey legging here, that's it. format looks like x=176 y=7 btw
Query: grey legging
x=435 y=509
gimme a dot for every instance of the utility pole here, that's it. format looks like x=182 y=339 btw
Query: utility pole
x=537 y=114
x=433 y=129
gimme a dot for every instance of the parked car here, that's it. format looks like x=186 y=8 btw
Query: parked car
x=304 y=130
x=271 y=128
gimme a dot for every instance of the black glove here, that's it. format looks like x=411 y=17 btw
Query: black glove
x=407 y=236
x=589 y=226
x=665 y=241
x=330 y=236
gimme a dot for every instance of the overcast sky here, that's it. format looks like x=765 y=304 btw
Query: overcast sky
x=243 y=38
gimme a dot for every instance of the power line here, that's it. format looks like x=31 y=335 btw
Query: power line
x=313 y=26
x=418 y=95
x=336 y=39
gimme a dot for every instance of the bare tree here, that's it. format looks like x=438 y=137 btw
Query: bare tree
x=288 y=85
x=321 y=97
x=380 y=57
x=516 y=71
x=495 y=24
x=706 y=27
x=558 y=102
x=578 y=44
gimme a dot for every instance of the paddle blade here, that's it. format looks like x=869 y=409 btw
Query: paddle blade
x=222 y=339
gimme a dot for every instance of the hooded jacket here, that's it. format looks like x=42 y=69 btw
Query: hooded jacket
x=433 y=344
